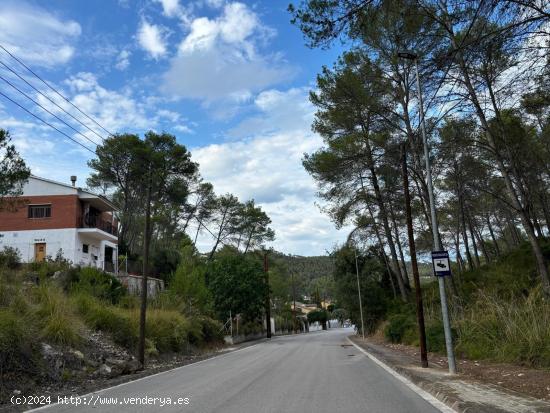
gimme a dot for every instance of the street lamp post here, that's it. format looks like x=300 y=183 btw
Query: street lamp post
x=435 y=230
x=359 y=293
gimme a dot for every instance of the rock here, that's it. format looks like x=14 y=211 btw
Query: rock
x=78 y=354
x=115 y=362
x=105 y=370
x=17 y=392
x=132 y=365
x=53 y=360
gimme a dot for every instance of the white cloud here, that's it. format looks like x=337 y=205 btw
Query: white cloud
x=265 y=164
x=117 y=111
x=219 y=58
x=123 y=60
x=37 y=36
x=152 y=38
x=170 y=8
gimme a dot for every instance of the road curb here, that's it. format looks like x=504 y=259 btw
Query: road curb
x=435 y=401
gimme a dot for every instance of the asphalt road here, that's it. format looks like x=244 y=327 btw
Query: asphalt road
x=315 y=372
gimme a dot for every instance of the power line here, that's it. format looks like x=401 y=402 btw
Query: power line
x=52 y=101
x=55 y=90
x=47 y=123
x=53 y=114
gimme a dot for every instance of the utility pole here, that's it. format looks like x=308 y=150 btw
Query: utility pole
x=435 y=230
x=359 y=293
x=294 y=305
x=267 y=298
x=143 y=309
x=414 y=263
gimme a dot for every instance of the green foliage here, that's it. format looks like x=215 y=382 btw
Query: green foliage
x=237 y=284
x=397 y=327
x=55 y=314
x=204 y=330
x=375 y=296
x=121 y=324
x=10 y=258
x=319 y=315
x=13 y=172
x=96 y=283
x=507 y=331
x=15 y=342
x=189 y=282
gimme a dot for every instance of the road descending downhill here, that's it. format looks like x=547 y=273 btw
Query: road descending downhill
x=315 y=372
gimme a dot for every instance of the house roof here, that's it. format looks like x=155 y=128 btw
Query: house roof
x=82 y=193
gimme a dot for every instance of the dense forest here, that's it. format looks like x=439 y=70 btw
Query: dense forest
x=465 y=84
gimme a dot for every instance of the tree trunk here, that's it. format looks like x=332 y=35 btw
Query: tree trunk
x=495 y=242
x=542 y=267
x=384 y=217
x=472 y=235
x=400 y=249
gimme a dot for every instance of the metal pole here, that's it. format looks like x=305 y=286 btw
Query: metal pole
x=435 y=231
x=231 y=324
x=267 y=298
x=359 y=293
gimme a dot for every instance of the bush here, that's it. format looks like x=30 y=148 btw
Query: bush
x=55 y=314
x=507 y=331
x=435 y=337
x=15 y=342
x=100 y=316
x=97 y=283
x=167 y=330
x=397 y=327
x=204 y=330
x=10 y=258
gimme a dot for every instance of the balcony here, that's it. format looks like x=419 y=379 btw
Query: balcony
x=94 y=221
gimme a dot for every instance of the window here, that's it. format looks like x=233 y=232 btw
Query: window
x=40 y=211
x=85 y=248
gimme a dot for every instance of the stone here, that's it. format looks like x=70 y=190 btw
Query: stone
x=17 y=392
x=104 y=370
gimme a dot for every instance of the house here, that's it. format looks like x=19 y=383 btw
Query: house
x=53 y=218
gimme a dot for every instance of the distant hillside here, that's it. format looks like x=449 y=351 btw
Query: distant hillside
x=309 y=272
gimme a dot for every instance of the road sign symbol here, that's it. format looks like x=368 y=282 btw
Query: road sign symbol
x=441 y=263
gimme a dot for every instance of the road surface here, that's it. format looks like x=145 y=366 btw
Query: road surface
x=315 y=372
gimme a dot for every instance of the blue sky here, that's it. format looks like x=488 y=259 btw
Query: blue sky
x=229 y=79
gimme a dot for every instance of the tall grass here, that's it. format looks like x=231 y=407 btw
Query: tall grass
x=516 y=330
x=56 y=316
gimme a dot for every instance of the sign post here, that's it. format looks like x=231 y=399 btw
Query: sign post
x=441 y=263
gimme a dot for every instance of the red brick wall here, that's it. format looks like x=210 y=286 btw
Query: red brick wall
x=66 y=213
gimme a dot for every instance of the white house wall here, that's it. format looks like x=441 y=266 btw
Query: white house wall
x=54 y=239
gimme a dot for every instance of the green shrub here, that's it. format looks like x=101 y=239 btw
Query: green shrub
x=167 y=330
x=204 y=330
x=119 y=323
x=10 y=258
x=97 y=283
x=15 y=342
x=435 y=337
x=507 y=331
x=56 y=316
x=397 y=326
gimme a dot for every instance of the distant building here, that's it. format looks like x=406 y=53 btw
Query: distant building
x=52 y=217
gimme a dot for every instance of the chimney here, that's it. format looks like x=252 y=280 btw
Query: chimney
x=73 y=180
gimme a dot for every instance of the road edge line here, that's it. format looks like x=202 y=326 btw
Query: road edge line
x=430 y=398
x=47 y=406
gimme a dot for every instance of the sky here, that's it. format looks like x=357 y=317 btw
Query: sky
x=229 y=79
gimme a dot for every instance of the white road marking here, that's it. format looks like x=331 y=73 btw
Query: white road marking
x=422 y=393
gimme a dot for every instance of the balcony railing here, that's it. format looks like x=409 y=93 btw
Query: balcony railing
x=94 y=221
